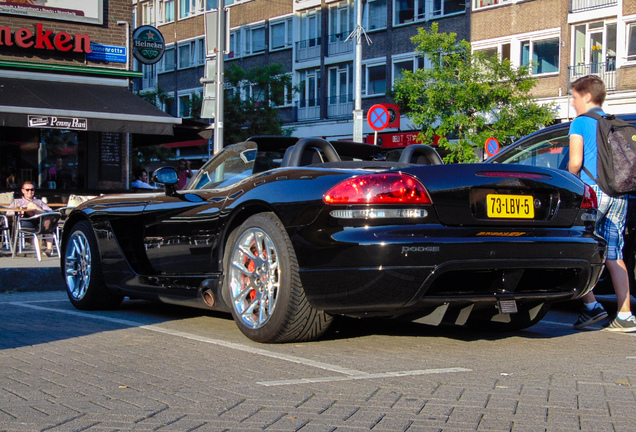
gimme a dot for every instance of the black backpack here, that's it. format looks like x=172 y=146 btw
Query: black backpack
x=616 y=154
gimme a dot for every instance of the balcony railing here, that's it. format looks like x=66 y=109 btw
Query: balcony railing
x=308 y=49
x=337 y=44
x=583 y=5
x=605 y=70
x=308 y=109
x=340 y=106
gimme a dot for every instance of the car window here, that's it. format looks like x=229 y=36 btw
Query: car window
x=231 y=165
x=548 y=151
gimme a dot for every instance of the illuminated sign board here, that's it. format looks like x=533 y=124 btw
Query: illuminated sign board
x=83 y=11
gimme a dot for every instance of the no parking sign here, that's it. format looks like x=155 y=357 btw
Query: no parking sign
x=378 y=117
x=491 y=146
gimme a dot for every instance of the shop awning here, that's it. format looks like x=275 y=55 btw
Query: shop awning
x=80 y=106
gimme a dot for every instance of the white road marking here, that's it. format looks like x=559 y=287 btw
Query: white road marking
x=364 y=376
x=350 y=374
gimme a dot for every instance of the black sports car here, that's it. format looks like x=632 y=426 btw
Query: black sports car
x=286 y=233
x=550 y=147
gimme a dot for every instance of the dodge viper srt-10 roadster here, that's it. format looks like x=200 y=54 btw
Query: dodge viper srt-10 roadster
x=285 y=234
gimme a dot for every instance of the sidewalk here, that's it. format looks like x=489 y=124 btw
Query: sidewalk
x=26 y=273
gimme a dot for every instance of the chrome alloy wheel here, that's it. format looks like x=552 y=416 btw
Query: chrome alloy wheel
x=77 y=265
x=254 y=278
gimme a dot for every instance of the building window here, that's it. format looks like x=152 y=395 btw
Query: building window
x=308 y=46
x=255 y=39
x=167 y=11
x=374 y=79
x=542 y=55
x=149 y=79
x=186 y=54
x=309 y=92
x=200 y=51
x=502 y=51
x=235 y=44
x=148 y=13
x=408 y=11
x=185 y=105
x=341 y=20
x=167 y=62
x=281 y=35
x=169 y=106
x=631 y=42
x=448 y=7
x=485 y=3
x=374 y=16
x=186 y=7
x=211 y=4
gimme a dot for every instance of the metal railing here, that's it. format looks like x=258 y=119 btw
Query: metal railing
x=583 y=5
x=308 y=109
x=337 y=44
x=340 y=106
x=308 y=49
x=605 y=70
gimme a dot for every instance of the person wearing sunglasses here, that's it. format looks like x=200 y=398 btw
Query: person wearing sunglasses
x=31 y=206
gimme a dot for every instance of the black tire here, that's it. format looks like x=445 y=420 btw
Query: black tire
x=82 y=271
x=527 y=316
x=262 y=287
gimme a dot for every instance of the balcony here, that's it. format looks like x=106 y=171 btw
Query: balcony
x=340 y=106
x=337 y=44
x=605 y=70
x=308 y=109
x=584 y=5
x=308 y=49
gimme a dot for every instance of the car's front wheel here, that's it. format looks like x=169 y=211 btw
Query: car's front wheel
x=82 y=271
x=262 y=285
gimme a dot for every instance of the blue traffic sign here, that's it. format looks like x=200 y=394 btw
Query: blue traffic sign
x=491 y=146
x=378 y=117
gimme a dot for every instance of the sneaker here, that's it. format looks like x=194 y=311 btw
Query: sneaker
x=589 y=317
x=48 y=252
x=619 y=325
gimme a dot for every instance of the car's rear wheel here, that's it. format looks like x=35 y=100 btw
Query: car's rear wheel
x=526 y=316
x=82 y=271
x=262 y=285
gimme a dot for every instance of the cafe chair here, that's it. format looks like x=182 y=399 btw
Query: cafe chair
x=5 y=234
x=45 y=228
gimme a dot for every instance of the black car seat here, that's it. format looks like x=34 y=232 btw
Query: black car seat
x=420 y=154
x=309 y=151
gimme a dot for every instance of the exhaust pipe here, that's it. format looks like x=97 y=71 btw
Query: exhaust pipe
x=208 y=297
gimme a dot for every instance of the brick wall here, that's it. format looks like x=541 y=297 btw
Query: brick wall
x=518 y=18
x=109 y=33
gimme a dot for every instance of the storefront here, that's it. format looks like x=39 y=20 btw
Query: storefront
x=66 y=111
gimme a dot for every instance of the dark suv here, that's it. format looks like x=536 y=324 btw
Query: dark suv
x=549 y=147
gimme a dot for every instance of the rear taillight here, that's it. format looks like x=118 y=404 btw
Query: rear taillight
x=589 y=198
x=387 y=188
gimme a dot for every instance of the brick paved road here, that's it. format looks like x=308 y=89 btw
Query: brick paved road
x=149 y=367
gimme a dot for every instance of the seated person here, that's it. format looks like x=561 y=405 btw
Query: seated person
x=32 y=206
x=141 y=180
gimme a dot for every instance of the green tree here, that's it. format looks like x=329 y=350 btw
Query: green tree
x=467 y=95
x=251 y=102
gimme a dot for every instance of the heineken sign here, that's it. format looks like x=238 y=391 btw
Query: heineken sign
x=148 y=44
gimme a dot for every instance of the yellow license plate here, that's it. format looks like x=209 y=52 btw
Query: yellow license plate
x=510 y=206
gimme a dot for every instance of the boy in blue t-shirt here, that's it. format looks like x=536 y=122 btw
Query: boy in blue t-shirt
x=588 y=93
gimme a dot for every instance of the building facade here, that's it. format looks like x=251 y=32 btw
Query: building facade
x=564 y=40
x=66 y=111
x=310 y=39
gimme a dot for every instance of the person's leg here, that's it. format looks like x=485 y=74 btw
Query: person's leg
x=620 y=281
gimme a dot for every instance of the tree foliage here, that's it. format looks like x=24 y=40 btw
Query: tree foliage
x=251 y=103
x=468 y=96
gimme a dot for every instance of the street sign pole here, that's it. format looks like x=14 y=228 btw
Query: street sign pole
x=357 y=110
x=220 y=76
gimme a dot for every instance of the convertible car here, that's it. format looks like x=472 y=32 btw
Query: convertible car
x=285 y=234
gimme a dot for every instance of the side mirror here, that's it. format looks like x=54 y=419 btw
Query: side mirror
x=168 y=177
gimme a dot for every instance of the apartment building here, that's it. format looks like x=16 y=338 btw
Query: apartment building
x=67 y=113
x=310 y=38
x=564 y=40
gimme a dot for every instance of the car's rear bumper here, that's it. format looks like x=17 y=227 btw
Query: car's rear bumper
x=386 y=271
